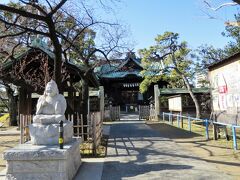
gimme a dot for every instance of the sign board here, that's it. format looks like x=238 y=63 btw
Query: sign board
x=225 y=86
x=175 y=103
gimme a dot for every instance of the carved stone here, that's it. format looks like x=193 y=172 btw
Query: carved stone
x=51 y=107
x=49 y=134
x=41 y=158
x=31 y=162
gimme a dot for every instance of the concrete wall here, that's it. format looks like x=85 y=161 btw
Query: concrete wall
x=225 y=91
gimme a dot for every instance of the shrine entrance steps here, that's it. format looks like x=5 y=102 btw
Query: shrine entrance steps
x=129 y=116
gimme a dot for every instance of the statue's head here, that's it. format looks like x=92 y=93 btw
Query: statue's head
x=51 y=89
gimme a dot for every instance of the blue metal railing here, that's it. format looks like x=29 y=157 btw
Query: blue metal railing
x=206 y=121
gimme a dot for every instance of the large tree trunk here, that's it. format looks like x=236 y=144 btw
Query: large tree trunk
x=192 y=96
x=12 y=106
x=58 y=54
x=191 y=93
x=85 y=96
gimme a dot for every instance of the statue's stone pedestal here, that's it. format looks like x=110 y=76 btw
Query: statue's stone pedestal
x=31 y=162
x=48 y=134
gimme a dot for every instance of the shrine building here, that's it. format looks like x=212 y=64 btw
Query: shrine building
x=121 y=80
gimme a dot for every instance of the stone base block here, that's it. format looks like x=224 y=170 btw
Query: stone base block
x=31 y=162
x=49 y=134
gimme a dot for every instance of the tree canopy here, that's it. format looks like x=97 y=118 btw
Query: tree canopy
x=159 y=64
x=168 y=59
x=69 y=32
x=68 y=27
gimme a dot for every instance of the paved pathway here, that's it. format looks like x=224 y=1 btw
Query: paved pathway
x=135 y=151
x=129 y=116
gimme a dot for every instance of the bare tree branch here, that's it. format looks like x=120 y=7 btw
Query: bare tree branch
x=33 y=4
x=49 y=4
x=24 y=28
x=221 y=6
x=22 y=12
x=59 y=5
x=237 y=1
x=13 y=35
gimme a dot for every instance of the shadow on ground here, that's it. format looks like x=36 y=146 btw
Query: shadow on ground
x=137 y=150
x=132 y=169
x=168 y=131
x=181 y=136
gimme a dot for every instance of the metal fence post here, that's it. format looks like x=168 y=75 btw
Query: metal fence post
x=94 y=136
x=189 y=124
x=169 y=118
x=119 y=112
x=181 y=119
x=139 y=112
x=234 y=138
x=178 y=118
x=163 y=116
x=21 y=129
x=206 y=124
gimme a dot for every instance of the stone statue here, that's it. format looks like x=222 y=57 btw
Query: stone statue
x=51 y=106
x=42 y=158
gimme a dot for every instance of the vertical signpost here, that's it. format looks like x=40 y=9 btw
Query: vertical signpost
x=175 y=105
x=157 y=103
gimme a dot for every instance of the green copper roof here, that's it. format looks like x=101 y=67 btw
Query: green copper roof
x=40 y=44
x=183 y=91
x=120 y=74
x=116 y=70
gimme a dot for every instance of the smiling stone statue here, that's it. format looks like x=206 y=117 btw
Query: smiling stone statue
x=42 y=157
x=51 y=107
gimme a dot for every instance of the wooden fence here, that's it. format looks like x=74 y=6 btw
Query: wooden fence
x=115 y=113
x=25 y=120
x=97 y=130
x=92 y=130
x=144 y=112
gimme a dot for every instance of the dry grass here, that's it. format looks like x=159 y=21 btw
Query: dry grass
x=86 y=149
x=4 y=122
x=7 y=142
x=199 y=128
x=219 y=152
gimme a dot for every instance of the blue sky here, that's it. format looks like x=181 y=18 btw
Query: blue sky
x=148 y=18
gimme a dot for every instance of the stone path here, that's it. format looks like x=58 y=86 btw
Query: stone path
x=135 y=151
x=129 y=116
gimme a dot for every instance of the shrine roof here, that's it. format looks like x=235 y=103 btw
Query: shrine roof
x=71 y=71
x=120 y=74
x=170 y=91
x=225 y=61
x=120 y=68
